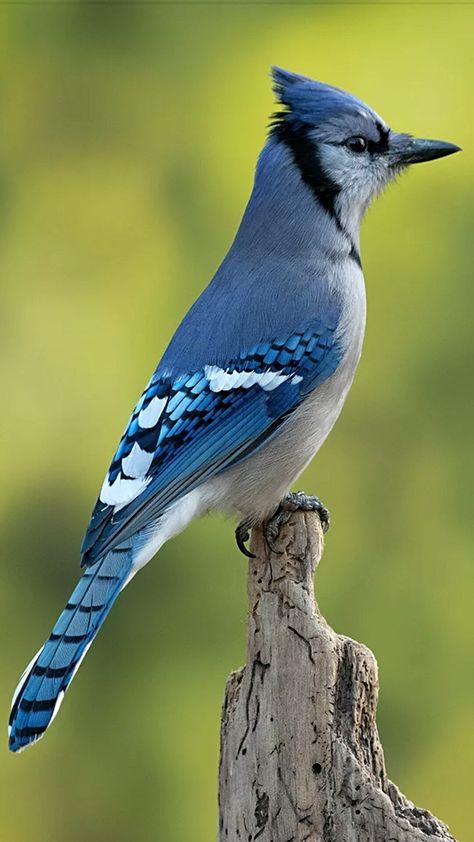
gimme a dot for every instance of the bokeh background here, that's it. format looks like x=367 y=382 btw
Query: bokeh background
x=127 y=146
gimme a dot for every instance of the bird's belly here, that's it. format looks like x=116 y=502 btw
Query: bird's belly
x=256 y=486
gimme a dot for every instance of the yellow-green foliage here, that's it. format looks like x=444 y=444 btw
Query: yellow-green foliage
x=128 y=138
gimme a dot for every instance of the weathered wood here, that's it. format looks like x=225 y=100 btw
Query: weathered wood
x=301 y=758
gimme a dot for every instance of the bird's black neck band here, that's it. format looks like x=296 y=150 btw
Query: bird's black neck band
x=305 y=155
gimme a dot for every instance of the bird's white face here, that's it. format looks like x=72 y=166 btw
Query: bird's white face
x=359 y=154
x=354 y=153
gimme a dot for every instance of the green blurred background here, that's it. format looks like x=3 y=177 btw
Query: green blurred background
x=128 y=141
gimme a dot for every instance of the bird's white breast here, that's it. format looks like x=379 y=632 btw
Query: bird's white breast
x=256 y=486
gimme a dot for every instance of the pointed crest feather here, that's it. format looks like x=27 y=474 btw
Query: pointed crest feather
x=307 y=102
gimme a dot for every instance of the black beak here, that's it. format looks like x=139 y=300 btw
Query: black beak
x=404 y=149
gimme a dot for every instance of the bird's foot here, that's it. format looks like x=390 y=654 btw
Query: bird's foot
x=293 y=502
x=242 y=535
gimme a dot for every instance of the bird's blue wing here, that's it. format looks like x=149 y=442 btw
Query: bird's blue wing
x=189 y=428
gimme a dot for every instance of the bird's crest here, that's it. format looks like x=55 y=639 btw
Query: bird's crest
x=306 y=102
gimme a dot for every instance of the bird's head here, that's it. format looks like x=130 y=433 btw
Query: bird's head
x=345 y=151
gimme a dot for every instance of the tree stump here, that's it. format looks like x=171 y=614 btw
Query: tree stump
x=301 y=757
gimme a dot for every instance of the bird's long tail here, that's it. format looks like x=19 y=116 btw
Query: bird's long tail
x=43 y=684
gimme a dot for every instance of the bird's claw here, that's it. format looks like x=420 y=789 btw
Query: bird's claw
x=293 y=502
x=242 y=535
x=299 y=501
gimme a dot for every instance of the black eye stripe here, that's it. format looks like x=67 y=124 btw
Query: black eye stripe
x=380 y=145
x=377 y=146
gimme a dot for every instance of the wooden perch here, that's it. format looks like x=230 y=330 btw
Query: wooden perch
x=301 y=757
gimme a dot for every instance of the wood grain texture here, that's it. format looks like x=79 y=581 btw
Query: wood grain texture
x=301 y=757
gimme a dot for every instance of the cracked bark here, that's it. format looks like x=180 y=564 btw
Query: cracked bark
x=301 y=757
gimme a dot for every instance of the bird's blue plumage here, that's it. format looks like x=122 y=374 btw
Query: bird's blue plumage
x=254 y=377
x=201 y=432
x=310 y=102
x=44 y=685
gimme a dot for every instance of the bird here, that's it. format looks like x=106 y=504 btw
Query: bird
x=255 y=375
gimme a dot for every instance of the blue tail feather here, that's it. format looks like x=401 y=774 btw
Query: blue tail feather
x=42 y=686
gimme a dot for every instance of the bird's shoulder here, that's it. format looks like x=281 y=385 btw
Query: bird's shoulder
x=251 y=301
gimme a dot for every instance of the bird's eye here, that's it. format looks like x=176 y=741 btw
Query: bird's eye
x=357 y=144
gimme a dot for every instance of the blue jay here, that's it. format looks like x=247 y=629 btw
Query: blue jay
x=255 y=376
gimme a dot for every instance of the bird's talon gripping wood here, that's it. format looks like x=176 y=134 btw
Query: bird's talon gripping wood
x=293 y=502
